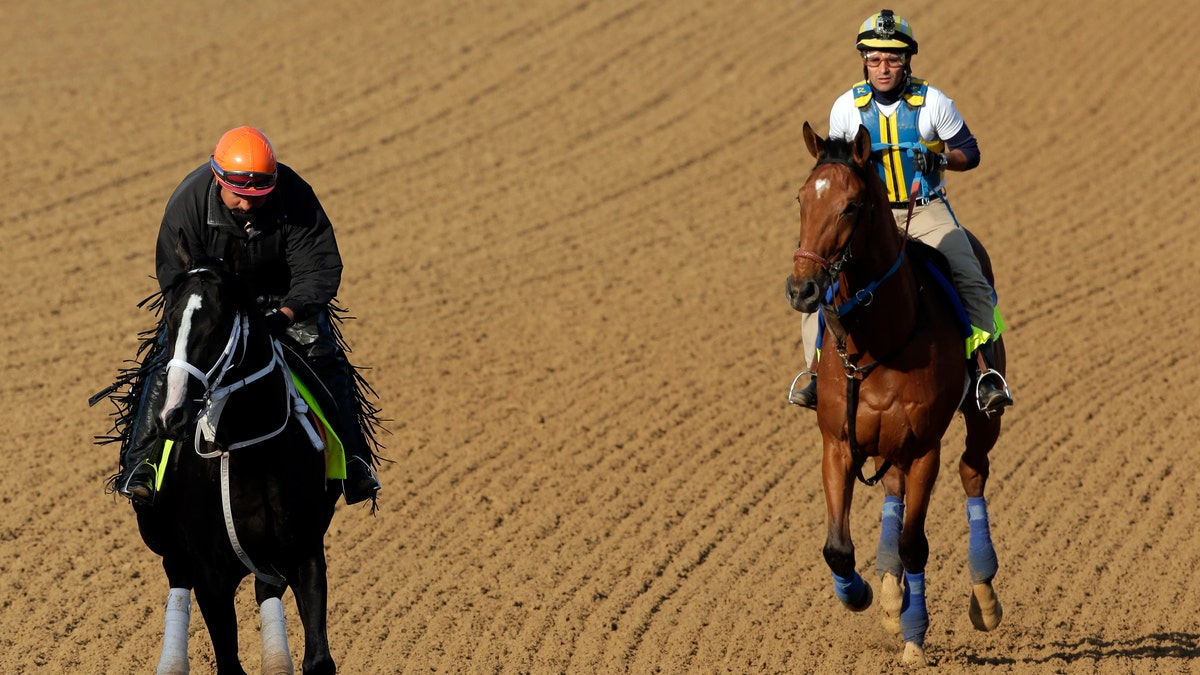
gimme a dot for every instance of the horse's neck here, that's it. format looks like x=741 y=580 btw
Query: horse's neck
x=261 y=402
x=259 y=354
x=884 y=321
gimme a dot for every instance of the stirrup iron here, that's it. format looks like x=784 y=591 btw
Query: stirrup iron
x=979 y=384
x=792 y=389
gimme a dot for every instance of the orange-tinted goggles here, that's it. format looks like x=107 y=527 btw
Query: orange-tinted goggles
x=243 y=180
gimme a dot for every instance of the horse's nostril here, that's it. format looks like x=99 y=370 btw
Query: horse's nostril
x=172 y=422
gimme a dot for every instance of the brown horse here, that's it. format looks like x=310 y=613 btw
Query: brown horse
x=900 y=357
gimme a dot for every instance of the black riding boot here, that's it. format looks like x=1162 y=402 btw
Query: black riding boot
x=139 y=455
x=991 y=391
x=807 y=397
x=361 y=481
x=329 y=363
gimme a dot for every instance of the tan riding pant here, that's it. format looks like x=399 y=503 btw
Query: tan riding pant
x=933 y=225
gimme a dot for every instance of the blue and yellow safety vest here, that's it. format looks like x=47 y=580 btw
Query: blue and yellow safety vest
x=894 y=136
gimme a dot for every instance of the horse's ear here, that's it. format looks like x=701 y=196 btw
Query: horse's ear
x=181 y=250
x=814 y=143
x=862 y=146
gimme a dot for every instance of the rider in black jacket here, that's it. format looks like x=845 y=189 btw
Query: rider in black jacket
x=242 y=199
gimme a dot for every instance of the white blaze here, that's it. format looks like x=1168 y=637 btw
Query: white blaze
x=821 y=186
x=177 y=378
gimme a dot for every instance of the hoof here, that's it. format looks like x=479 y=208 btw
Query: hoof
x=914 y=655
x=891 y=598
x=985 y=610
x=864 y=601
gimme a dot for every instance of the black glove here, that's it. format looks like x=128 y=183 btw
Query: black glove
x=929 y=163
x=276 y=323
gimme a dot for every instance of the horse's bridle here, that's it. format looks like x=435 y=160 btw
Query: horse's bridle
x=237 y=339
x=833 y=269
x=861 y=298
x=217 y=393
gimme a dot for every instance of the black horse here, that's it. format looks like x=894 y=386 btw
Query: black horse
x=244 y=486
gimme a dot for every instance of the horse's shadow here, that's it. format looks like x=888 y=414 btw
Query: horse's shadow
x=1173 y=645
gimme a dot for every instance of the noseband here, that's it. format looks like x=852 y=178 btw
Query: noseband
x=832 y=269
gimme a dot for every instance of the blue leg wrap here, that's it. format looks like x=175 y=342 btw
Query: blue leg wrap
x=914 y=619
x=849 y=591
x=887 y=557
x=981 y=556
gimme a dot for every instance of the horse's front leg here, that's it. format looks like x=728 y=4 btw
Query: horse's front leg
x=848 y=585
x=887 y=556
x=174 y=658
x=276 y=657
x=914 y=554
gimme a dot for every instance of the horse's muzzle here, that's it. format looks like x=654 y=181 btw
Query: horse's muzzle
x=173 y=422
x=803 y=295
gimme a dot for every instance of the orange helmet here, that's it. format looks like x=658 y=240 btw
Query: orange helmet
x=244 y=162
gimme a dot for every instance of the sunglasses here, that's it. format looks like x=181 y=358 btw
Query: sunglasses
x=876 y=59
x=242 y=180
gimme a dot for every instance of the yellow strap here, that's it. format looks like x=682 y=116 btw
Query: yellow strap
x=893 y=158
x=162 y=462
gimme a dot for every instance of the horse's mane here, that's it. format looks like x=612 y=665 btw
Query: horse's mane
x=838 y=151
x=206 y=271
x=841 y=151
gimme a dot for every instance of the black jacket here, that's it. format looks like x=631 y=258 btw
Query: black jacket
x=289 y=258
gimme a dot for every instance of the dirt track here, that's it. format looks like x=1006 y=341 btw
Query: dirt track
x=566 y=231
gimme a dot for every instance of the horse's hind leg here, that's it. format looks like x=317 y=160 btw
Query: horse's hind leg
x=982 y=433
x=887 y=556
x=848 y=585
x=311 y=590
x=214 y=595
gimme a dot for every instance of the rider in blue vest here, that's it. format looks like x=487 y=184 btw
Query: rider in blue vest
x=289 y=259
x=917 y=135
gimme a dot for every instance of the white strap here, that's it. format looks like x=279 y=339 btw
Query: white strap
x=227 y=508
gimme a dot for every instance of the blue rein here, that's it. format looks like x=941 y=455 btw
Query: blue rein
x=863 y=296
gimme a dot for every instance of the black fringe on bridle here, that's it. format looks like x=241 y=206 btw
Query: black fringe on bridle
x=126 y=390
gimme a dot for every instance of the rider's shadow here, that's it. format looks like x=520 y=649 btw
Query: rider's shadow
x=1154 y=646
